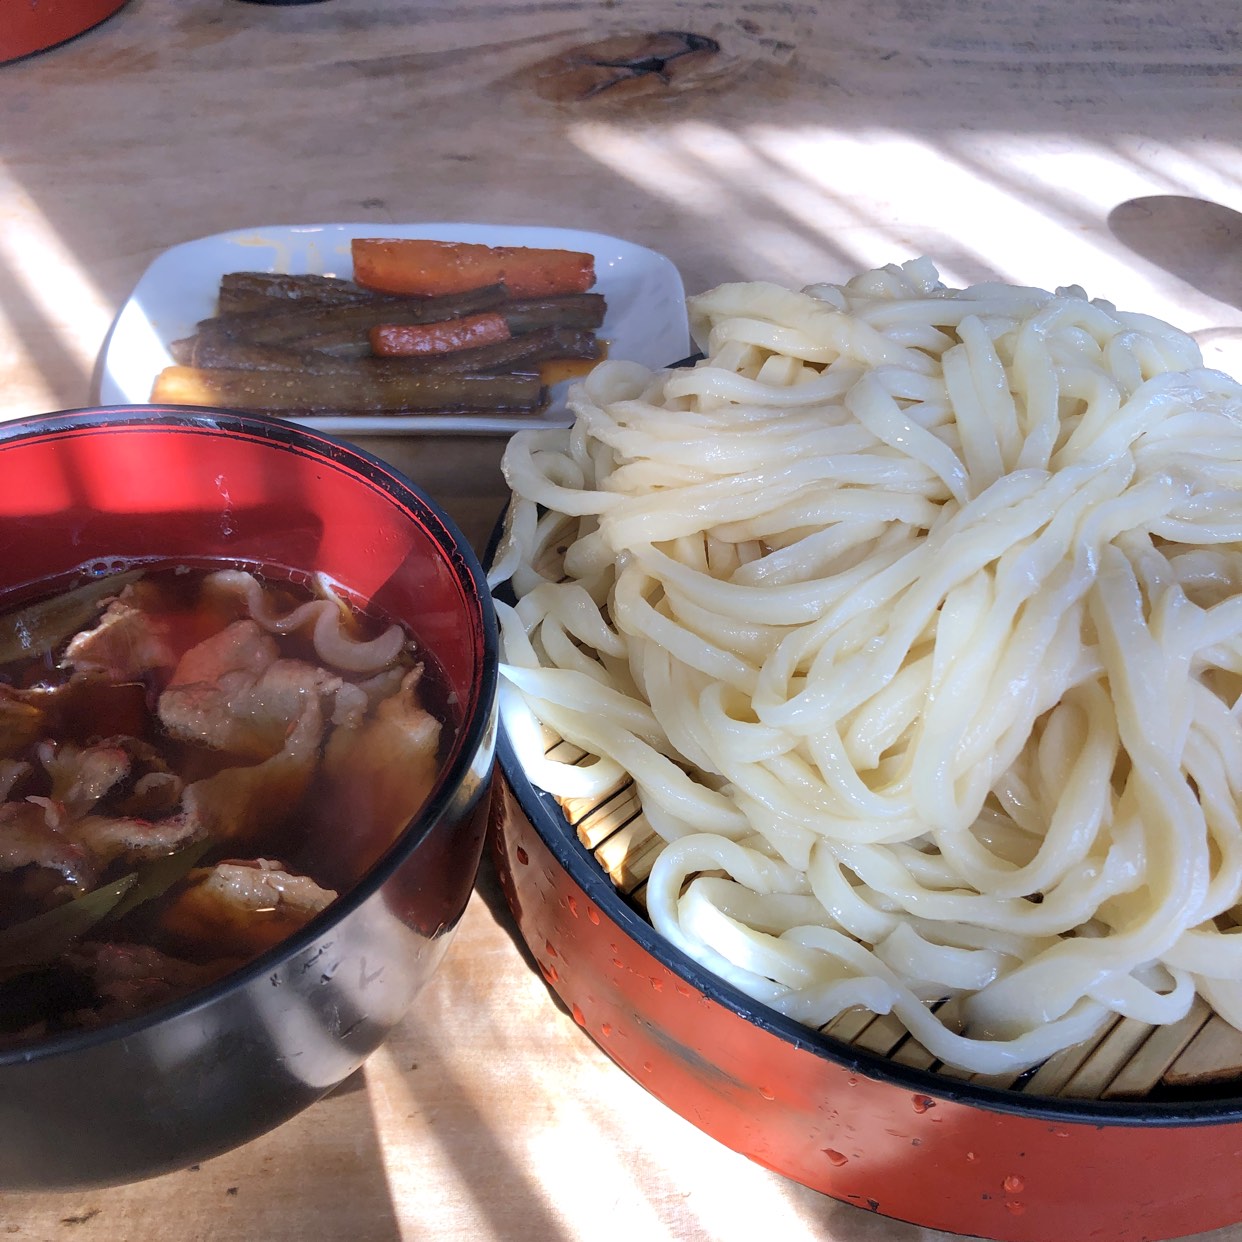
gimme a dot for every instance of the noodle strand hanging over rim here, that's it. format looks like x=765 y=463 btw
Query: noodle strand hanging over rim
x=915 y=615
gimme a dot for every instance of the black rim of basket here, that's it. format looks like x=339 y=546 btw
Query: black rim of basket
x=475 y=726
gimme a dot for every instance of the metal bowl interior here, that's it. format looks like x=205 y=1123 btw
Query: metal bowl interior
x=126 y=485
x=903 y=1142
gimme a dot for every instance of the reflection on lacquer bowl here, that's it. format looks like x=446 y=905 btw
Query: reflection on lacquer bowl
x=106 y=1090
x=884 y=1136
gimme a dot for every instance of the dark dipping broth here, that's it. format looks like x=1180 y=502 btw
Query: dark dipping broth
x=194 y=762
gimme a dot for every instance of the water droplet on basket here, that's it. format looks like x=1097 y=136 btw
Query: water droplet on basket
x=970 y=1155
x=836 y=1157
x=648 y=1068
x=1015 y=1207
x=577 y=1015
x=682 y=989
x=1057 y=1132
x=522 y=856
x=549 y=972
x=593 y=915
x=572 y=902
x=1013 y=1183
x=767 y=1094
x=547 y=944
x=618 y=963
x=606 y=1029
x=657 y=984
x=852 y=1080
x=921 y=1103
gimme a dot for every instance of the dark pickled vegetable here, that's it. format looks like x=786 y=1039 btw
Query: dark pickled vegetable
x=582 y=310
x=246 y=291
x=518 y=353
x=306 y=324
x=529 y=349
x=355 y=391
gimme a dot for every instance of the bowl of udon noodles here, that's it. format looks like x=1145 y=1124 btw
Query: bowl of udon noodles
x=871 y=747
x=247 y=722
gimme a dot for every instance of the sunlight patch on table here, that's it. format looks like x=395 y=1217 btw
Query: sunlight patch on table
x=47 y=285
x=797 y=204
x=425 y=1187
x=568 y=1162
x=941 y=200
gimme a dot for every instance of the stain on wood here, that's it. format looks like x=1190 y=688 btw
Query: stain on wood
x=632 y=66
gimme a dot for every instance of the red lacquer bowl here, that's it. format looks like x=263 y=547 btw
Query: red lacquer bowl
x=902 y=1142
x=28 y=26
x=92 y=490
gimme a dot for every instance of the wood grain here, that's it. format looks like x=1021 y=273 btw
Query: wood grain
x=1001 y=139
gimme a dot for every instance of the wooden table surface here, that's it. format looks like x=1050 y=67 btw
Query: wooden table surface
x=1041 y=141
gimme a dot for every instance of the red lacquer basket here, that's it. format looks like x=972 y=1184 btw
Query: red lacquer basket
x=864 y=1128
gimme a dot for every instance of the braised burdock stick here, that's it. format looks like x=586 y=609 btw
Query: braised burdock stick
x=246 y=291
x=353 y=392
x=286 y=324
x=518 y=353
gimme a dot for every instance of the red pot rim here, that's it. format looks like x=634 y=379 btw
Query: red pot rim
x=30 y=28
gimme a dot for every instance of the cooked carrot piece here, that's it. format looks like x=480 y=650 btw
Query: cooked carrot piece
x=417 y=266
x=395 y=340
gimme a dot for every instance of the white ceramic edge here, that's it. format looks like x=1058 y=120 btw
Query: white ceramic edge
x=645 y=322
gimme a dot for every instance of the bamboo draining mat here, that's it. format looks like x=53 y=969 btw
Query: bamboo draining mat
x=1129 y=1061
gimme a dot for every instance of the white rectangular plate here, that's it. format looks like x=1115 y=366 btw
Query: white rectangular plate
x=646 y=319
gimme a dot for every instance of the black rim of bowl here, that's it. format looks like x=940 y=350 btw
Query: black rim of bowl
x=410 y=497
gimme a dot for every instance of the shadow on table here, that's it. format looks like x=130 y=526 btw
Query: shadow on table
x=1193 y=239
x=491 y=894
x=283 y=1184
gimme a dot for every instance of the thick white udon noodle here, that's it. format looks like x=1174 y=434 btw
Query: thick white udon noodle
x=916 y=616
